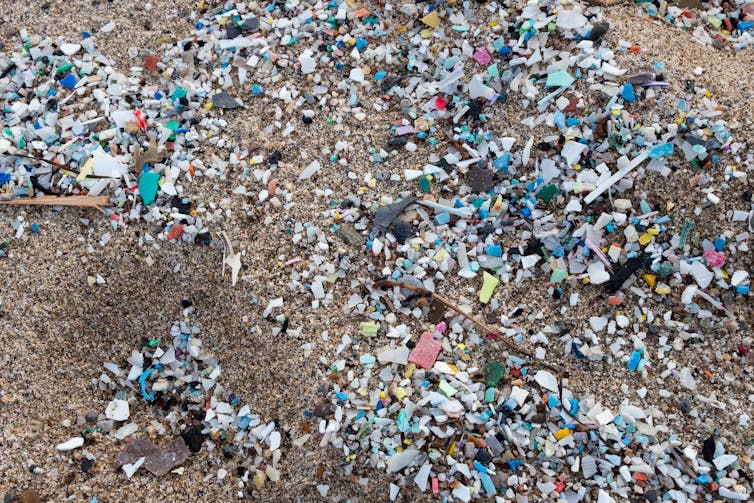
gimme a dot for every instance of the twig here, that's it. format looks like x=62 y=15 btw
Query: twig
x=490 y=330
x=447 y=303
x=39 y=159
x=81 y=201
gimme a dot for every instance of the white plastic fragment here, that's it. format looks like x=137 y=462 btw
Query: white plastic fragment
x=547 y=380
x=131 y=468
x=310 y=170
x=117 y=410
x=618 y=175
x=401 y=460
x=570 y=19
x=71 y=444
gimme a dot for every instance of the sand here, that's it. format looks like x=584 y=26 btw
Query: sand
x=56 y=331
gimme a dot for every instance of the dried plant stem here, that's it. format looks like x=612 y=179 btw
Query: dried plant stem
x=95 y=202
x=447 y=303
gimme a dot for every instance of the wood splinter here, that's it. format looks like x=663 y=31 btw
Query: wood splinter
x=95 y=202
x=450 y=305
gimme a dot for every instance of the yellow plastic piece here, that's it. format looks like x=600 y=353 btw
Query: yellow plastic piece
x=410 y=368
x=561 y=434
x=488 y=287
x=662 y=289
x=650 y=279
x=85 y=169
x=432 y=19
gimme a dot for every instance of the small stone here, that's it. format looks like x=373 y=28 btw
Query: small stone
x=193 y=438
x=157 y=461
x=684 y=404
x=28 y=496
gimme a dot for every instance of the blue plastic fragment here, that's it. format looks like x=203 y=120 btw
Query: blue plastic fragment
x=494 y=250
x=633 y=361
x=143 y=384
x=552 y=400
x=243 y=422
x=703 y=479
x=69 y=81
x=574 y=406
x=442 y=218
x=628 y=92
x=515 y=463
x=480 y=467
x=489 y=487
x=661 y=150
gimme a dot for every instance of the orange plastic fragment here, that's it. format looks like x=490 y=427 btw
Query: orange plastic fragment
x=175 y=232
x=361 y=12
x=634 y=49
x=150 y=63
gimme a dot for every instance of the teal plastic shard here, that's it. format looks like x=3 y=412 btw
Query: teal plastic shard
x=661 y=150
x=148 y=185
x=559 y=79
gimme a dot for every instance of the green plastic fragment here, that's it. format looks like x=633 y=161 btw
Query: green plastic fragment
x=368 y=328
x=488 y=287
x=5 y=244
x=558 y=275
x=402 y=421
x=64 y=67
x=447 y=389
x=684 y=234
x=547 y=192
x=559 y=79
x=87 y=67
x=153 y=343
x=148 y=185
x=493 y=373
x=364 y=432
x=424 y=184
x=714 y=21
